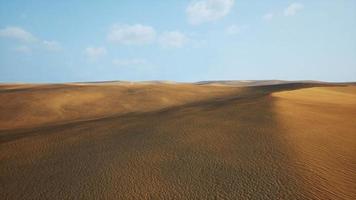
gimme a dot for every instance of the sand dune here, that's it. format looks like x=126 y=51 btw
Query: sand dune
x=33 y=105
x=178 y=141
x=319 y=124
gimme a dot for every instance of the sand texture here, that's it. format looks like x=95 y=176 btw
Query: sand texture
x=178 y=141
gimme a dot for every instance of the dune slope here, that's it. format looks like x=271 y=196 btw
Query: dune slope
x=266 y=142
x=24 y=106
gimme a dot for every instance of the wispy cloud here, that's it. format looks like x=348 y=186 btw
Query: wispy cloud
x=208 y=10
x=132 y=34
x=23 y=49
x=94 y=53
x=293 y=9
x=268 y=16
x=52 y=45
x=173 y=39
x=25 y=37
x=233 y=30
x=17 y=33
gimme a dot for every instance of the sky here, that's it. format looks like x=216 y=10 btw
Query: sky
x=178 y=40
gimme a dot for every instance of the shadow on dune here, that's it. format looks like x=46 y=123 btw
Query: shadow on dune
x=245 y=94
x=228 y=148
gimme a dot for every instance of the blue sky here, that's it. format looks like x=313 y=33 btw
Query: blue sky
x=179 y=40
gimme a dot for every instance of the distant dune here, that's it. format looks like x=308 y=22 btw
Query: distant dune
x=24 y=106
x=165 y=140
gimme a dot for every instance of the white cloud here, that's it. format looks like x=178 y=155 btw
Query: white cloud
x=132 y=34
x=32 y=42
x=51 y=45
x=17 y=33
x=173 y=39
x=139 y=34
x=208 y=10
x=23 y=49
x=268 y=16
x=94 y=53
x=292 y=9
x=129 y=62
x=233 y=30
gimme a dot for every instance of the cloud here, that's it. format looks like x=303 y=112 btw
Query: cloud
x=139 y=34
x=202 y=11
x=129 y=62
x=173 y=39
x=293 y=8
x=17 y=33
x=268 y=16
x=94 y=53
x=23 y=49
x=52 y=45
x=132 y=34
x=233 y=30
x=31 y=41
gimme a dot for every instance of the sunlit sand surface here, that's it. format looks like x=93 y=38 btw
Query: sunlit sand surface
x=320 y=127
x=178 y=141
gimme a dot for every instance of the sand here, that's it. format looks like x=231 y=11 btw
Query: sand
x=178 y=141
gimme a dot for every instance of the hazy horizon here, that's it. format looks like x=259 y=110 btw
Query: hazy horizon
x=173 y=82
x=182 y=41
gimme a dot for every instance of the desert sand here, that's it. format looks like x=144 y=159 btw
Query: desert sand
x=159 y=140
